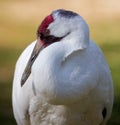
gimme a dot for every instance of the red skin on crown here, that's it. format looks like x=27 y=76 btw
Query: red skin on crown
x=45 y=23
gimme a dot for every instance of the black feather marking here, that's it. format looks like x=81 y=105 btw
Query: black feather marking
x=66 y=13
x=104 y=112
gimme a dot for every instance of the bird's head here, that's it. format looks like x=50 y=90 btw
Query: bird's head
x=60 y=25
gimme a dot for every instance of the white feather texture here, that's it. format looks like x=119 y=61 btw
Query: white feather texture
x=70 y=81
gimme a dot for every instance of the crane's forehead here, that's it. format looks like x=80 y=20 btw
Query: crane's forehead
x=45 y=23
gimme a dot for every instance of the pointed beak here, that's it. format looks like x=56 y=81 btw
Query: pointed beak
x=38 y=47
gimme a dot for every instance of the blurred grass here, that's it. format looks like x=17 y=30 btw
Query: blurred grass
x=17 y=31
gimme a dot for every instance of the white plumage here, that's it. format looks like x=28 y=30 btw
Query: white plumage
x=69 y=83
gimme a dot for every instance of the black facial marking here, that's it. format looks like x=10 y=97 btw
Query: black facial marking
x=66 y=13
x=49 y=39
x=104 y=112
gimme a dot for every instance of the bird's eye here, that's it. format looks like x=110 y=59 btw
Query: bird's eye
x=47 y=32
x=41 y=35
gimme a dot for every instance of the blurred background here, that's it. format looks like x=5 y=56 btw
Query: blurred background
x=19 y=20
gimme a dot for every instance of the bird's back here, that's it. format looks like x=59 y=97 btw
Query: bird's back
x=85 y=99
x=94 y=108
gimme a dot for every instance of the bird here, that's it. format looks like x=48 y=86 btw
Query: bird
x=62 y=78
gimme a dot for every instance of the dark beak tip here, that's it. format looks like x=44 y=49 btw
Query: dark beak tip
x=23 y=79
x=22 y=82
